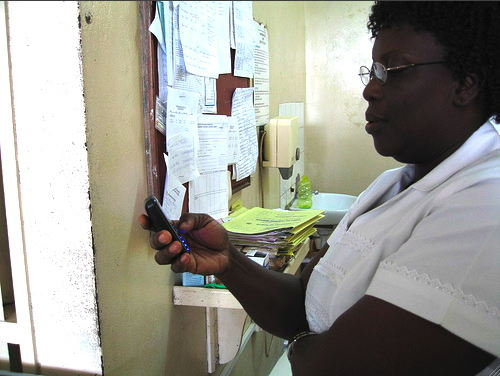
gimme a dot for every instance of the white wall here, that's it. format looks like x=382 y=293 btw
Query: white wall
x=285 y=21
x=340 y=156
x=316 y=50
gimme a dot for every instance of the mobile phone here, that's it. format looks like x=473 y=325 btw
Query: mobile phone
x=160 y=221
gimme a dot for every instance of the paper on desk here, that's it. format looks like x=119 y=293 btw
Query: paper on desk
x=310 y=223
x=299 y=237
x=276 y=241
x=260 y=220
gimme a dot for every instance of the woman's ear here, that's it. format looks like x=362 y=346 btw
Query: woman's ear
x=467 y=90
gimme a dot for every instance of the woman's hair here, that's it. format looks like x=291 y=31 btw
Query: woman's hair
x=469 y=31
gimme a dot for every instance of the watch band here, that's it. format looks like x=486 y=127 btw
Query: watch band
x=295 y=339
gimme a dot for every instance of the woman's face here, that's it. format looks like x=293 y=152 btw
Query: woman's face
x=410 y=116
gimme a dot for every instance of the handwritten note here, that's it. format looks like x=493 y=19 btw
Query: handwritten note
x=242 y=109
x=198 y=38
x=184 y=80
x=245 y=39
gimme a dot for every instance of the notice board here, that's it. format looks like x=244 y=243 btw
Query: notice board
x=155 y=140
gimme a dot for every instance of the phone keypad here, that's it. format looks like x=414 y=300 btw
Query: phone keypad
x=184 y=243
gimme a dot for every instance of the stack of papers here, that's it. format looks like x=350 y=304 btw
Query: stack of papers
x=279 y=231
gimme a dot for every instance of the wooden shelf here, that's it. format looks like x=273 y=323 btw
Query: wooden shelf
x=220 y=298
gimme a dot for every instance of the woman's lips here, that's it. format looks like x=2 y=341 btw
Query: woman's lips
x=374 y=122
x=373 y=126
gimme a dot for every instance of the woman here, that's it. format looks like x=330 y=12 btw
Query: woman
x=408 y=283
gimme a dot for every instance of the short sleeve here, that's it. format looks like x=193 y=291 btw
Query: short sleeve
x=448 y=271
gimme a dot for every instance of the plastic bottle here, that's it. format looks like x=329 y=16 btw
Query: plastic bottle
x=304 y=200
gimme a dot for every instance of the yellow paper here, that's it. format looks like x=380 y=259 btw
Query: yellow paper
x=259 y=220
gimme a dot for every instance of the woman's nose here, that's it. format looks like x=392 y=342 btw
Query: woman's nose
x=372 y=90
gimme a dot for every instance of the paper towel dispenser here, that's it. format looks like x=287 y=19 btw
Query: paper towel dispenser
x=281 y=144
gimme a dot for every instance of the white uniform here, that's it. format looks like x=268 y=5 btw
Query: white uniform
x=432 y=248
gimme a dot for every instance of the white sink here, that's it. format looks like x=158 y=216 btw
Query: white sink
x=335 y=206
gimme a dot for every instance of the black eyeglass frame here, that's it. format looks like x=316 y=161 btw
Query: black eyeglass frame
x=382 y=80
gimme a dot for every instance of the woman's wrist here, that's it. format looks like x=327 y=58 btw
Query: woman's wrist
x=295 y=339
x=233 y=254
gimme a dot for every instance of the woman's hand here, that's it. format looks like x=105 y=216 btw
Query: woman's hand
x=207 y=240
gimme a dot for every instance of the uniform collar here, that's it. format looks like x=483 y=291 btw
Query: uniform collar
x=481 y=143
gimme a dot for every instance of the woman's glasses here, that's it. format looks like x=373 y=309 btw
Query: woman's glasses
x=380 y=72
